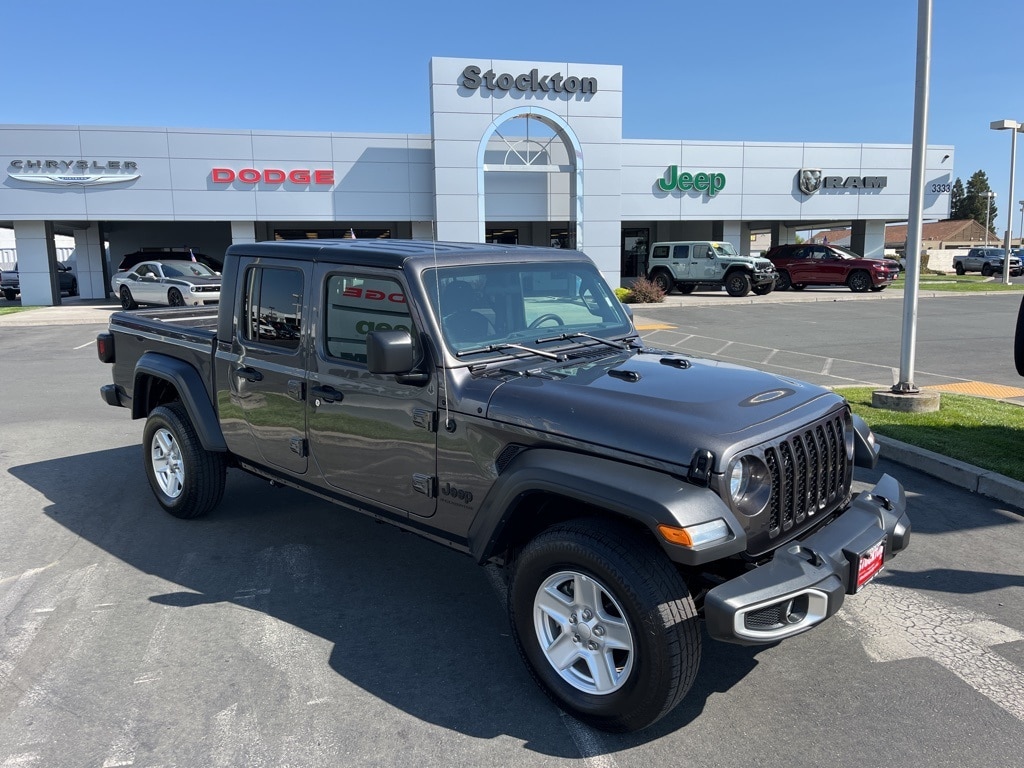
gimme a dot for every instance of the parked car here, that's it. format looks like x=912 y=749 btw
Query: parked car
x=689 y=265
x=988 y=261
x=174 y=283
x=10 y=282
x=134 y=258
x=812 y=264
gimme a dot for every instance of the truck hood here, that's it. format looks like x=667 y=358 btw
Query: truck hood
x=660 y=405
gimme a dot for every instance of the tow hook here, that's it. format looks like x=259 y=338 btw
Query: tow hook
x=807 y=554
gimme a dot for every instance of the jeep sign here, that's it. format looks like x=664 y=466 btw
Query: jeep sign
x=712 y=183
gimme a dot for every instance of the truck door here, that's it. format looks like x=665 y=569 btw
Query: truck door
x=703 y=264
x=265 y=370
x=370 y=436
x=681 y=261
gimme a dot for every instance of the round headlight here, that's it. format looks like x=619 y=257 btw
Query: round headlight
x=750 y=486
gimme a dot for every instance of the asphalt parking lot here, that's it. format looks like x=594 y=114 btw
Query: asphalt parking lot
x=283 y=631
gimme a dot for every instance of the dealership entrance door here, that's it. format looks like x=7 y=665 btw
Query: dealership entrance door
x=549 y=234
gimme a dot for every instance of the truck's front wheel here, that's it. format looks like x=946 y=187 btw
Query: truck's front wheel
x=605 y=623
x=737 y=284
x=186 y=479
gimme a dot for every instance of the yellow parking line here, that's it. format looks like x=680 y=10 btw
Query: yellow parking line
x=979 y=389
x=655 y=327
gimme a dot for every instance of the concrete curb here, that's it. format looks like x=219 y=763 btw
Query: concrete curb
x=958 y=473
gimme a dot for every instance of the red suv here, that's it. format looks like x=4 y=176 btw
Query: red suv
x=811 y=264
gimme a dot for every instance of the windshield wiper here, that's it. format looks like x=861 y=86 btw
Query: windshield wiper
x=502 y=347
x=571 y=336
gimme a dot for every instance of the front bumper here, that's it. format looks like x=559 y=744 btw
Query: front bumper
x=807 y=581
x=762 y=278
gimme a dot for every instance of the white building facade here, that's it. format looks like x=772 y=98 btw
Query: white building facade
x=519 y=152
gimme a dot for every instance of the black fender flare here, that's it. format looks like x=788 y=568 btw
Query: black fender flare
x=644 y=495
x=1018 y=341
x=192 y=391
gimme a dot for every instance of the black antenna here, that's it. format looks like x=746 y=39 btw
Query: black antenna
x=448 y=423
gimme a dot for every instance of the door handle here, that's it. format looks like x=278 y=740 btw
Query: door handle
x=249 y=374
x=327 y=394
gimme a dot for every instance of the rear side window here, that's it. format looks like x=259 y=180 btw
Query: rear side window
x=273 y=307
x=357 y=305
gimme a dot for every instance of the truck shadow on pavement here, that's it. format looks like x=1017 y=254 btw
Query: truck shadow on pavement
x=418 y=626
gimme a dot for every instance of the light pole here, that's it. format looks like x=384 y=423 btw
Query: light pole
x=988 y=214
x=1013 y=126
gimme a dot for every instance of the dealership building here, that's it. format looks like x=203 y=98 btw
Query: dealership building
x=519 y=152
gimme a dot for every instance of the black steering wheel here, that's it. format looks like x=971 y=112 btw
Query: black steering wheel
x=545 y=318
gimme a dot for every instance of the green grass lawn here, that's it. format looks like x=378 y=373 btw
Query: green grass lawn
x=959 y=283
x=12 y=310
x=986 y=433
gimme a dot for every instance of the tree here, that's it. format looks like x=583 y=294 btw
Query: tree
x=956 y=201
x=977 y=204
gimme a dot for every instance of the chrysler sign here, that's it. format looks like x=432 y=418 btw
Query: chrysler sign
x=67 y=173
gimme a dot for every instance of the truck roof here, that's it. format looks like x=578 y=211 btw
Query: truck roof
x=401 y=253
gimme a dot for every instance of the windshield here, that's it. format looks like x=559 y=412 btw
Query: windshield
x=497 y=304
x=724 y=249
x=843 y=253
x=186 y=269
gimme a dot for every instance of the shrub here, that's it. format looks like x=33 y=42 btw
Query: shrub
x=622 y=294
x=645 y=292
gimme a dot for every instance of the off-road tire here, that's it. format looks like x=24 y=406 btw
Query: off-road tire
x=127 y=301
x=10 y=295
x=664 y=280
x=859 y=281
x=187 y=480
x=627 y=571
x=737 y=284
x=783 y=282
x=959 y=267
x=987 y=270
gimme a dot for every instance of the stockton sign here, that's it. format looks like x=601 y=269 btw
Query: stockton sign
x=528 y=82
x=81 y=173
x=301 y=176
x=710 y=183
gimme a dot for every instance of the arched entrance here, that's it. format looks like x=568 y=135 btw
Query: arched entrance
x=530 y=167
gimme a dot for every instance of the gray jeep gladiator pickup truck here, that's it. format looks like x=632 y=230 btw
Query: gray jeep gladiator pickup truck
x=498 y=399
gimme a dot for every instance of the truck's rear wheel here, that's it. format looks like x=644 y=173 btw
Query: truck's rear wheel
x=186 y=479
x=605 y=624
x=737 y=284
x=960 y=268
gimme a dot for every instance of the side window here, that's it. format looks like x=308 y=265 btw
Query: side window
x=660 y=252
x=681 y=252
x=273 y=307
x=700 y=251
x=356 y=305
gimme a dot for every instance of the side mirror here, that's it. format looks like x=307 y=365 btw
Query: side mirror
x=393 y=352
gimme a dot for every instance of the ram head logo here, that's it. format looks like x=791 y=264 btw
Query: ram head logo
x=809 y=180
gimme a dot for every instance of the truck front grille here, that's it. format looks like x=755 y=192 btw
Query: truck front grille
x=810 y=475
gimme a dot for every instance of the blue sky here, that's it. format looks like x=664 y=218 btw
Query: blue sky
x=794 y=70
